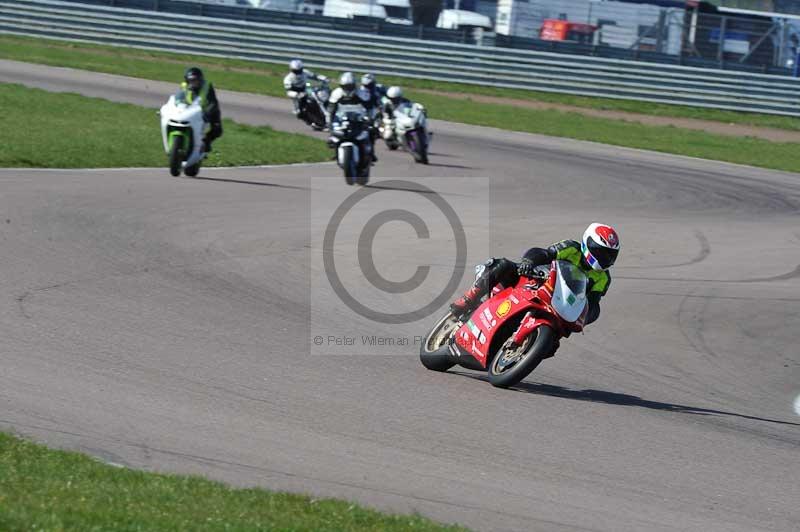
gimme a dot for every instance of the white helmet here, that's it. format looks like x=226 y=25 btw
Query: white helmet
x=368 y=80
x=347 y=82
x=296 y=66
x=600 y=246
x=394 y=93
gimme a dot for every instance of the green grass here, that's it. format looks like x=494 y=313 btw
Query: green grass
x=51 y=130
x=48 y=490
x=667 y=139
x=265 y=78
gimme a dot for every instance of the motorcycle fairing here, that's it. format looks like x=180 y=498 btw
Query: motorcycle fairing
x=474 y=337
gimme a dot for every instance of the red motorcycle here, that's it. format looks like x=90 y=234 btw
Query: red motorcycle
x=514 y=329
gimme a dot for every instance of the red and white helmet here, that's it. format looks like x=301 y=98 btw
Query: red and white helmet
x=600 y=246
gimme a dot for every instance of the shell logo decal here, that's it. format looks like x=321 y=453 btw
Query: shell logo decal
x=504 y=308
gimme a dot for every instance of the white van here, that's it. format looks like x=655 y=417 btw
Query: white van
x=396 y=11
x=453 y=19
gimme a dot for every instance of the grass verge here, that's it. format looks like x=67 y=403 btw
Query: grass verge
x=52 y=130
x=742 y=150
x=44 y=489
x=266 y=78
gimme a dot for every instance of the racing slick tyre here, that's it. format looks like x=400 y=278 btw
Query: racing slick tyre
x=392 y=145
x=434 y=352
x=514 y=363
x=176 y=156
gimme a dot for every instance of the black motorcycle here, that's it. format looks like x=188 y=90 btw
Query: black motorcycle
x=313 y=105
x=351 y=138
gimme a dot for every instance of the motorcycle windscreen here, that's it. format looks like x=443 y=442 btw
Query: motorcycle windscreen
x=351 y=112
x=569 y=293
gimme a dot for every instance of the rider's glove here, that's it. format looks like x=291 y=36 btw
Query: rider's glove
x=526 y=269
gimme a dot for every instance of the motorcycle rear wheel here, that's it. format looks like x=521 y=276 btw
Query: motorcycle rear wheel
x=512 y=364
x=434 y=352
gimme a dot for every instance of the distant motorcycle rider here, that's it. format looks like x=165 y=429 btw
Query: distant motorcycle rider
x=376 y=93
x=295 y=83
x=348 y=94
x=375 y=90
x=594 y=255
x=394 y=99
x=195 y=86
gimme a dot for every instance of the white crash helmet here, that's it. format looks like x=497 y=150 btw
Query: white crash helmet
x=347 y=82
x=296 y=66
x=394 y=93
x=368 y=80
x=600 y=246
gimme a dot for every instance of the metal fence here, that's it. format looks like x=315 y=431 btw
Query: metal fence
x=459 y=63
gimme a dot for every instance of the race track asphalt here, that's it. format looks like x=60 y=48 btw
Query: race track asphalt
x=164 y=323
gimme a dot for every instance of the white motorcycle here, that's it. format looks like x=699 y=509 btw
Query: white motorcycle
x=182 y=128
x=408 y=127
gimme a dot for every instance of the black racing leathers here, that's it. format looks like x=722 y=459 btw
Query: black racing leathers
x=376 y=92
x=213 y=116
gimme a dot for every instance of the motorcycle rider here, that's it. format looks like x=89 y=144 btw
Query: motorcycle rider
x=393 y=100
x=375 y=90
x=376 y=93
x=348 y=94
x=295 y=83
x=195 y=86
x=594 y=255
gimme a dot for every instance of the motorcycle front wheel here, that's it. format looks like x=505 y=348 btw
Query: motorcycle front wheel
x=316 y=117
x=363 y=176
x=175 y=155
x=349 y=165
x=434 y=352
x=423 y=152
x=193 y=170
x=420 y=146
x=514 y=363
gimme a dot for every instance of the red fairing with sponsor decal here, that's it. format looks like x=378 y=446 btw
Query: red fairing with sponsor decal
x=475 y=336
x=514 y=329
x=527 y=305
